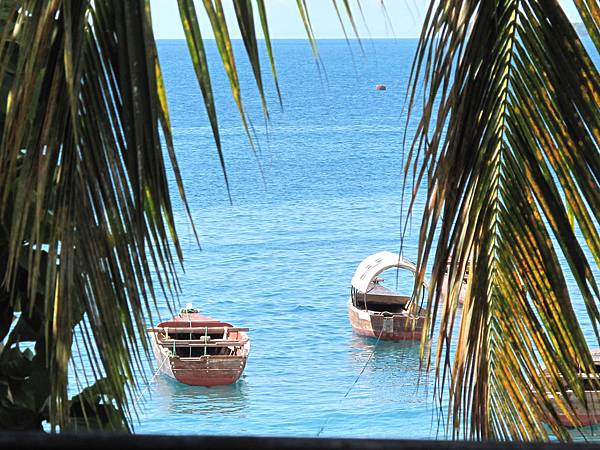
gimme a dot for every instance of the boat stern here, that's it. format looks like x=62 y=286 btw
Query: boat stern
x=385 y=326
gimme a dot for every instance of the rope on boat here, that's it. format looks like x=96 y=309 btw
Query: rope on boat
x=353 y=384
x=141 y=394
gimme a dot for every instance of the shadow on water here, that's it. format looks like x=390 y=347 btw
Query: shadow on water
x=184 y=399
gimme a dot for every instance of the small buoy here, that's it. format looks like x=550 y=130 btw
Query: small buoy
x=380 y=87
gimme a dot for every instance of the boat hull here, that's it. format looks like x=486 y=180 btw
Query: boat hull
x=584 y=416
x=209 y=370
x=388 y=327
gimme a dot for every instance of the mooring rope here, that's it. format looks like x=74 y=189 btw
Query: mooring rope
x=141 y=394
x=354 y=383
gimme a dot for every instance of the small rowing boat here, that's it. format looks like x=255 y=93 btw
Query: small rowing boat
x=198 y=350
x=380 y=312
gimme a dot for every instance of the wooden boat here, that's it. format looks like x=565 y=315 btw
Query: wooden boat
x=380 y=312
x=586 y=412
x=198 y=350
x=463 y=287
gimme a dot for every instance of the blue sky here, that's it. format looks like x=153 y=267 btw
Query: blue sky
x=406 y=17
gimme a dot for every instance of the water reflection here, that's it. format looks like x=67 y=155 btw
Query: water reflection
x=183 y=399
x=395 y=364
x=405 y=353
x=590 y=433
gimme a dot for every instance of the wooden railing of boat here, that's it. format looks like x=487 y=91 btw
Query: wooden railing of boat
x=170 y=343
x=199 y=343
x=195 y=329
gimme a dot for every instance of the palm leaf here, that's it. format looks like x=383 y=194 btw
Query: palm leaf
x=87 y=172
x=508 y=145
x=83 y=108
x=200 y=62
x=245 y=18
x=265 y=29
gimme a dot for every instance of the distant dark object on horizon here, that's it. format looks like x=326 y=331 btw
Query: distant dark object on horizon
x=380 y=87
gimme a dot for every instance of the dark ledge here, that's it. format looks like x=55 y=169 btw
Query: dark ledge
x=43 y=441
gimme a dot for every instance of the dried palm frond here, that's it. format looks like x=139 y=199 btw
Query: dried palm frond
x=508 y=147
x=86 y=225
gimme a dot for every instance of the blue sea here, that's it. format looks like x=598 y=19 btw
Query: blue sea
x=319 y=191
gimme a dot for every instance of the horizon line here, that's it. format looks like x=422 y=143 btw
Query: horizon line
x=338 y=38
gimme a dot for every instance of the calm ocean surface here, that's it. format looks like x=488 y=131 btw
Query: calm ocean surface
x=323 y=193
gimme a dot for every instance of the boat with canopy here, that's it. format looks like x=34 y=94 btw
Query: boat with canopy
x=380 y=312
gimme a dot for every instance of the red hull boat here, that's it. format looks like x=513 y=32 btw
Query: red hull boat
x=584 y=413
x=198 y=350
x=379 y=312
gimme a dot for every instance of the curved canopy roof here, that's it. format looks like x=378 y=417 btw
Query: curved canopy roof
x=373 y=265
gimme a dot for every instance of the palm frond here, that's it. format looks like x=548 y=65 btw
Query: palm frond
x=195 y=43
x=85 y=204
x=86 y=224
x=508 y=146
x=265 y=29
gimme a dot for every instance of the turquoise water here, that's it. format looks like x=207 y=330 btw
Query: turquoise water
x=323 y=193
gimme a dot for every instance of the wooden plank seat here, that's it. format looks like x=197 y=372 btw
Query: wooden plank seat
x=377 y=293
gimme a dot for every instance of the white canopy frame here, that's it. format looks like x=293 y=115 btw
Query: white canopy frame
x=373 y=265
